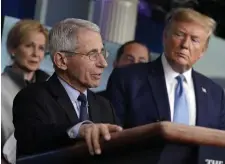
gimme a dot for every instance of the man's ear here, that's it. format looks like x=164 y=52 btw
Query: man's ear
x=60 y=60
x=165 y=35
x=204 y=49
x=206 y=45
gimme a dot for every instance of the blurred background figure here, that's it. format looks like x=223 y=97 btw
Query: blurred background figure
x=131 y=52
x=26 y=43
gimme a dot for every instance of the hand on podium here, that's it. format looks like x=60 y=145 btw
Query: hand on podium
x=92 y=132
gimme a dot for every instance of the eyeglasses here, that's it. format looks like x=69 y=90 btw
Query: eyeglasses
x=93 y=55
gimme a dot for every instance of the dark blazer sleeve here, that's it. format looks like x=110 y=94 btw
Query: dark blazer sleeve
x=115 y=117
x=33 y=129
x=110 y=111
x=116 y=95
x=102 y=93
x=101 y=109
x=222 y=115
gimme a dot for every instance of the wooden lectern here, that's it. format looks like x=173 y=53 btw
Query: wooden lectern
x=156 y=143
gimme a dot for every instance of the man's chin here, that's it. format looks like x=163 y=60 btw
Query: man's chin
x=93 y=85
x=182 y=61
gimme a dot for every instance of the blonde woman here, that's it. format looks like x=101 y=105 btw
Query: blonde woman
x=26 y=44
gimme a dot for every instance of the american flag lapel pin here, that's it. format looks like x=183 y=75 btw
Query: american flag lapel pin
x=204 y=90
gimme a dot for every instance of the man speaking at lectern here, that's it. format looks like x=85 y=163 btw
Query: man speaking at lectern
x=169 y=88
x=55 y=113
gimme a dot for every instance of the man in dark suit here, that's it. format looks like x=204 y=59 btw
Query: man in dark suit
x=131 y=52
x=61 y=110
x=168 y=88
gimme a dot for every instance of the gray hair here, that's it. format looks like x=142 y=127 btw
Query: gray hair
x=63 y=35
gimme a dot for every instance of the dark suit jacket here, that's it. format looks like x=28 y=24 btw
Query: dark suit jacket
x=139 y=96
x=43 y=112
x=102 y=93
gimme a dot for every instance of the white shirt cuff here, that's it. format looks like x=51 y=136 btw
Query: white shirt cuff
x=74 y=131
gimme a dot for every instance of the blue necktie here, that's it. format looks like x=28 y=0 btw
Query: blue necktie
x=83 y=107
x=181 y=113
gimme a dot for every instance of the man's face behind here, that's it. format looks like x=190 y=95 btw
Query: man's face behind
x=184 y=44
x=82 y=69
x=133 y=53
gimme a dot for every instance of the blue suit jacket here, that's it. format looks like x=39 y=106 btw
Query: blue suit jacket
x=139 y=96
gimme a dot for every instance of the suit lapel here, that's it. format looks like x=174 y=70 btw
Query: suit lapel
x=201 y=100
x=62 y=98
x=159 y=90
x=93 y=107
x=67 y=105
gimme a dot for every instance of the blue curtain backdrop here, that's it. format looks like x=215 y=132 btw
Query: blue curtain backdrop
x=150 y=33
x=18 y=8
x=149 y=27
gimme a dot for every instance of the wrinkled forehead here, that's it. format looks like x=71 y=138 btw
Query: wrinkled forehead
x=200 y=23
x=136 y=51
x=88 y=40
x=190 y=27
x=135 y=47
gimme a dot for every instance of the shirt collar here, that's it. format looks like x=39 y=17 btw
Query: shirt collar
x=18 y=76
x=170 y=74
x=73 y=93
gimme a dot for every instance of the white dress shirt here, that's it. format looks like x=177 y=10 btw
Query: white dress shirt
x=73 y=95
x=171 y=82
